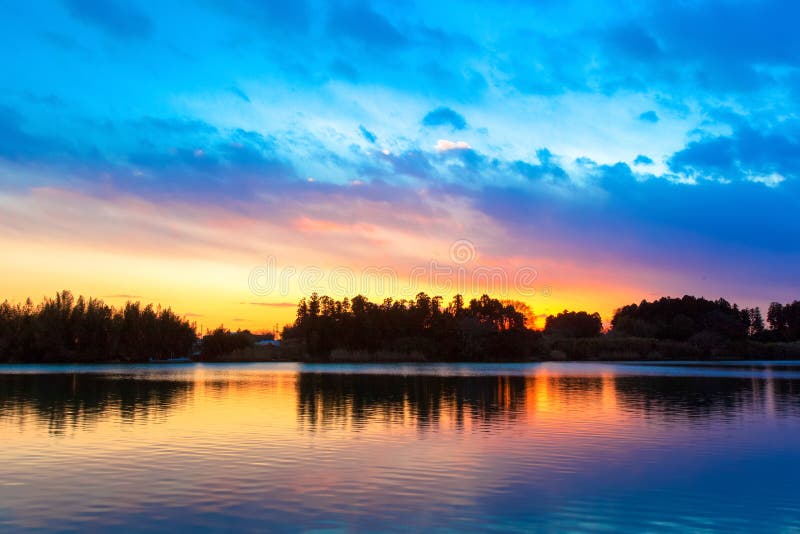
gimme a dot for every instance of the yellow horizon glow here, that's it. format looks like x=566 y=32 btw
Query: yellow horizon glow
x=212 y=293
x=198 y=260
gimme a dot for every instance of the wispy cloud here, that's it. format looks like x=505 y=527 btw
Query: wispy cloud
x=239 y=93
x=275 y=304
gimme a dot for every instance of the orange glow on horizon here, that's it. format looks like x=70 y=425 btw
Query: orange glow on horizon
x=197 y=259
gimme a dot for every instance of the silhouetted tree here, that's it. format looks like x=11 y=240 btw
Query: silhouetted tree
x=680 y=319
x=756 y=321
x=784 y=320
x=222 y=341
x=486 y=328
x=574 y=324
x=775 y=317
x=68 y=329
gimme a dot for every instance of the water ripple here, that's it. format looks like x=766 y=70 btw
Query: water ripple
x=441 y=448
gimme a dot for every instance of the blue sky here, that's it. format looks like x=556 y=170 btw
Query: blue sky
x=653 y=146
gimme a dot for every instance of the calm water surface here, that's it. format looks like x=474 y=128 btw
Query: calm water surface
x=549 y=447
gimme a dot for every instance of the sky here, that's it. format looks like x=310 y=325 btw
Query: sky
x=226 y=158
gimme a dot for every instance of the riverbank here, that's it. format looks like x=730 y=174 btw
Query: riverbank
x=604 y=348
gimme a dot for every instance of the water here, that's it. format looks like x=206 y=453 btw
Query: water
x=286 y=447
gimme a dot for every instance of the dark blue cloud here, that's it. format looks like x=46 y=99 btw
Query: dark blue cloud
x=641 y=159
x=546 y=65
x=649 y=116
x=624 y=222
x=445 y=41
x=668 y=47
x=121 y=19
x=359 y=23
x=685 y=49
x=369 y=136
x=250 y=149
x=343 y=70
x=746 y=154
x=729 y=34
x=634 y=42
x=239 y=93
x=468 y=166
x=547 y=169
x=705 y=212
x=444 y=116
x=222 y=165
x=16 y=144
x=414 y=163
x=170 y=160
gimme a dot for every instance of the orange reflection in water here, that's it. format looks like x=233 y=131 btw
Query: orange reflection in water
x=231 y=398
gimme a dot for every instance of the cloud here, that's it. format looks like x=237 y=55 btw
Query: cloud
x=233 y=164
x=634 y=42
x=443 y=145
x=444 y=116
x=359 y=23
x=747 y=154
x=641 y=159
x=18 y=145
x=122 y=296
x=547 y=169
x=772 y=180
x=369 y=136
x=468 y=164
x=343 y=70
x=414 y=163
x=726 y=55
x=239 y=93
x=670 y=48
x=649 y=116
x=120 y=19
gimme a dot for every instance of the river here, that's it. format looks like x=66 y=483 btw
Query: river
x=447 y=447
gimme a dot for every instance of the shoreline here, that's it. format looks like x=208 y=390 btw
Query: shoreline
x=599 y=349
x=709 y=361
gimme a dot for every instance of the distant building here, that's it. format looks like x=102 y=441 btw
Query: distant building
x=267 y=343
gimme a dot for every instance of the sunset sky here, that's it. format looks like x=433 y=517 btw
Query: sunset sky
x=185 y=152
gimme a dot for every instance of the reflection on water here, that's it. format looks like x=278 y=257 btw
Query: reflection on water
x=77 y=399
x=336 y=400
x=458 y=447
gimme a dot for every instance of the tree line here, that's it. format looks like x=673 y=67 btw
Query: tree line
x=424 y=325
x=487 y=328
x=66 y=328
